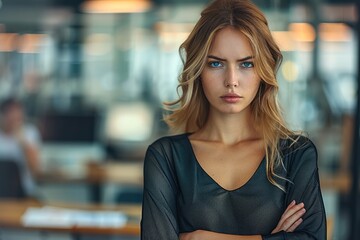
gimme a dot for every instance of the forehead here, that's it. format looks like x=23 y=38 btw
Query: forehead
x=230 y=42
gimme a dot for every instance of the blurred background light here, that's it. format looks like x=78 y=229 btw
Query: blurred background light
x=299 y=37
x=334 y=32
x=302 y=32
x=8 y=42
x=116 y=6
x=290 y=71
x=30 y=43
x=284 y=40
x=129 y=122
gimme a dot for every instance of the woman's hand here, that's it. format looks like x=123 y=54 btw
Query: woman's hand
x=190 y=235
x=291 y=218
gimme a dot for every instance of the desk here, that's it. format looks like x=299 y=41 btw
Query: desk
x=96 y=174
x=116 y=172
x=113 y=172
x=12 y=211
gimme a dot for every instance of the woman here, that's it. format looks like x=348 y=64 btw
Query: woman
x=236 y=171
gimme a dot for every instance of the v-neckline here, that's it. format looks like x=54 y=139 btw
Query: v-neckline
x=263 y=160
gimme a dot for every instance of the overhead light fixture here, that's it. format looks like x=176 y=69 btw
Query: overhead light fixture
x=30 y=43
x=302 y=32
x=334 y=32
x=8 y=42
x=299 y=37
x=116 y=6
x=287 y=42
x=284 y=40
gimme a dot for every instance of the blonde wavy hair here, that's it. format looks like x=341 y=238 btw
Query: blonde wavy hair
x=189 y=113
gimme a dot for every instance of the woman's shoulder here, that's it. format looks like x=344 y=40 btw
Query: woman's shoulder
x=297 y=142
x=299 y=150
x=169 y=141
x=170 y=138
x=169 y=148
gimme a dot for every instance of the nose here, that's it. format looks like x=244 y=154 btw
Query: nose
x=231 y=78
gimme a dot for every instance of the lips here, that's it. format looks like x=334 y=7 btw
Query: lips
x=234 y=95
x=231 y=97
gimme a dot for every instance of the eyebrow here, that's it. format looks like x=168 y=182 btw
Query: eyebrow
x=239 y=60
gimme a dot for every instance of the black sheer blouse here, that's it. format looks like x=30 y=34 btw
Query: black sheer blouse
x=179 y=196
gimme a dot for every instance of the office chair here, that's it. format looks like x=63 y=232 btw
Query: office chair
x=10 y=180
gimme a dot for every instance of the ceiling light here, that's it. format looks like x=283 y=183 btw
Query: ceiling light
x=8 y=42
x=30 y=43
x=334 y=32
x=302 y=32
x=116 y=6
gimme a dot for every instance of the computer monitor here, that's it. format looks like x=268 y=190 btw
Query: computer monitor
x=69 y=127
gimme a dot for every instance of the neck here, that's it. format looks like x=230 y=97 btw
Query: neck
x=229 y=128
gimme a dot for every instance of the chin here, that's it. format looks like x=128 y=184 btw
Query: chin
x=231 y=110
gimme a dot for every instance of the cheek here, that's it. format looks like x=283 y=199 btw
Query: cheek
x=211 y=80
x=206 y=82
x=253 y=84
x=206 y=88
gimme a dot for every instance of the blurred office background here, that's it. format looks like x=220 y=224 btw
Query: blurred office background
x=92 y=75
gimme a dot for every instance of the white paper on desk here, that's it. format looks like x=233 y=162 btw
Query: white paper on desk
x=63 y=218
x=38 y=217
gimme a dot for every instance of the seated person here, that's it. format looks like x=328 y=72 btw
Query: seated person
x=19 y=141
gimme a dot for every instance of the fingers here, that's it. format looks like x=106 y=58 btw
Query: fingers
x=291 y=218
x=292 y=204
x=292 y=210
x=295 y=225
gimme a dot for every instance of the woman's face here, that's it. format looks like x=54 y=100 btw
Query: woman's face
x=229 y=80
x=12 y=118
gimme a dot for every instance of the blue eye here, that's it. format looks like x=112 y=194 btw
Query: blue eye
x=247 y=64
x=215 y=64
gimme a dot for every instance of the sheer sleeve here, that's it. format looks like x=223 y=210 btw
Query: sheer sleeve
x=159 y=212
x=305 y=187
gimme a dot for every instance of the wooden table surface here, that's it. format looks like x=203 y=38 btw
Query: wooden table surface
x=98 y=172
x=11 y=212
